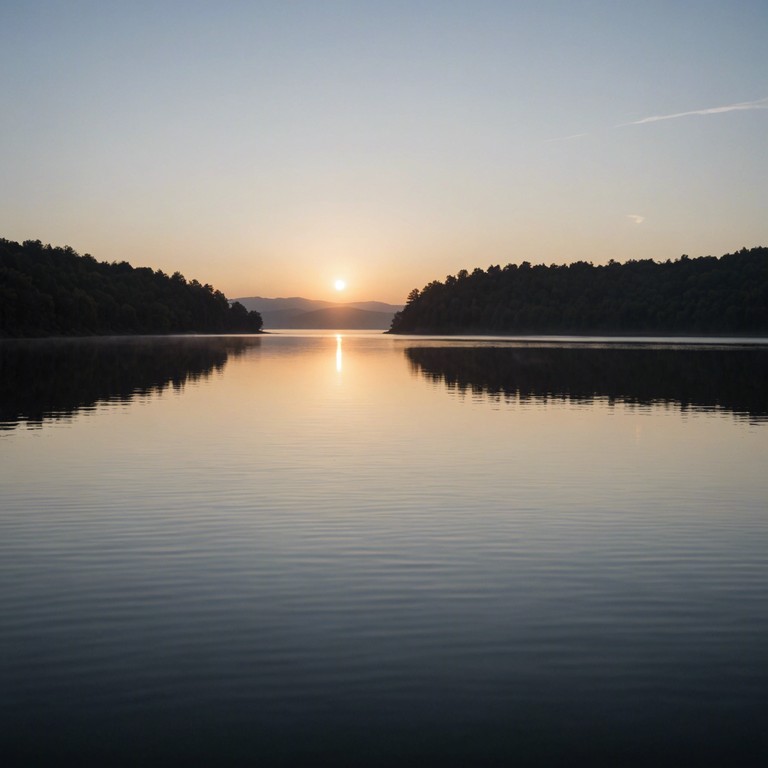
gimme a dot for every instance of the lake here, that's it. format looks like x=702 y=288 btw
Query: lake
x=359 y=549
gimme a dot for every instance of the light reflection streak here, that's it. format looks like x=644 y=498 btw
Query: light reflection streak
x=338 y=353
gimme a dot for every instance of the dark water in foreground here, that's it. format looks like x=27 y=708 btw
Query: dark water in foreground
x=365 y=550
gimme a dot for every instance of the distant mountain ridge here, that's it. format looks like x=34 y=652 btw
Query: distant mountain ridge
x=297 y=312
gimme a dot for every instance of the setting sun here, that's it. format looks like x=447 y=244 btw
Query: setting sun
x=340 y=285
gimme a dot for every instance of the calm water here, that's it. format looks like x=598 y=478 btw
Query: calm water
x=364 y=550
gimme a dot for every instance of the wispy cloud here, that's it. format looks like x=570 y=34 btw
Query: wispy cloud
x=738 y=107
x=636 y=217
x=743 y=105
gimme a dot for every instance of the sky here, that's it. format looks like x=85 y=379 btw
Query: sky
x=273 y=148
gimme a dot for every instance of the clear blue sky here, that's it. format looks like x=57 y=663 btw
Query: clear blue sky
x=271 y=147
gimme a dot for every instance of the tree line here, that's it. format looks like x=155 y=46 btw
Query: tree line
x=706 y=295
x=53 y=291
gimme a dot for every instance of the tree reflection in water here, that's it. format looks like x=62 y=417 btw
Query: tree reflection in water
x=55 y=378
x=733 y=379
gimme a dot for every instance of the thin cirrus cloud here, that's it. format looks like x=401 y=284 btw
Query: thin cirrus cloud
x=743 y=105
x=636 y=218
x=739 y=107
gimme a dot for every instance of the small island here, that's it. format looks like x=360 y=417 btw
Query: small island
x=699 y=296
x=54 y=291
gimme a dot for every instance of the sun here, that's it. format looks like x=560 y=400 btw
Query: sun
x=340 y=284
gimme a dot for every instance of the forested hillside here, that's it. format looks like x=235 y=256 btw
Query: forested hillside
x=47 y=291
x=707 y=295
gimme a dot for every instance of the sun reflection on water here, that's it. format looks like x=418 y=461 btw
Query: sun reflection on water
x=338 y=353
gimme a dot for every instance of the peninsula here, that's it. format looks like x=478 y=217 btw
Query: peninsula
x=707 y=295
x=54 y=291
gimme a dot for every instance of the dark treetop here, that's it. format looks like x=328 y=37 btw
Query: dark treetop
x=708 y=295
x=47 y=291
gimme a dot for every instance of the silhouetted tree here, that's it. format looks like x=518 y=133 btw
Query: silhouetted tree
x=47 y=291
x=727 y=295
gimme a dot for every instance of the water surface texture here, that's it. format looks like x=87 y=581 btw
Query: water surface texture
x=363 y=550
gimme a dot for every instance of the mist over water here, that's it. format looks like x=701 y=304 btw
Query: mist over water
x=353 y=548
